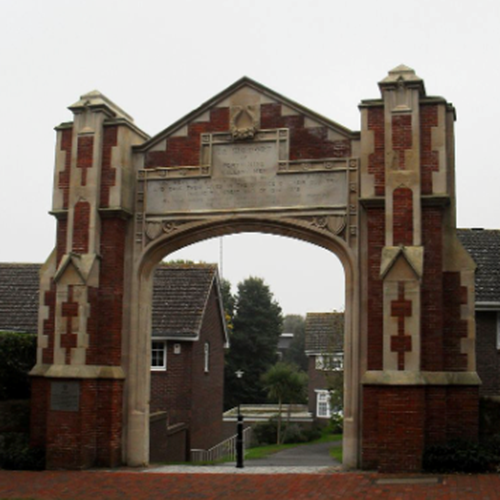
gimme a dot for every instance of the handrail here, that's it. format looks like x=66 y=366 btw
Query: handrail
x=224 y=451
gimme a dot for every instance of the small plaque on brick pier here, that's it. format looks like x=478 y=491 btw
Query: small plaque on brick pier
x=65 y=396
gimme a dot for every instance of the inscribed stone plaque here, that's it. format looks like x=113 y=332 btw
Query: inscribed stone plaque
x=246 y=176
x=65 y=396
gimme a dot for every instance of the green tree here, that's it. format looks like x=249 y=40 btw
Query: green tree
x=257 y=326
x=335 y=381
x=228 y=302
x=296 y=353
x=284 y=383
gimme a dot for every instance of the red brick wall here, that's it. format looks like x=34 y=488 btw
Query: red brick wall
x=81 y=226
x=432 y=358
x=398 y=422
x=402 y=216
x=171 y=389
x=105 y=346
x=71 y=435
x=65 y=174
x=393 y=428
x=49 y=325
x=429 y=161
x=401 y=137
x=80 y=439
x=85 y=153
x=183 y=151
x=376 y=241
x=61 y=243
x=208 y=388
x=487 y=354
x=108 y=174
x=305 y=143
x=109 y=423
x=376 y=161
x=185 y=391
x=455 y=328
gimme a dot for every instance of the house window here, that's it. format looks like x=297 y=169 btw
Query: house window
x=330 y=362
x=323 y=404
x=158 y=355
x=207 y=356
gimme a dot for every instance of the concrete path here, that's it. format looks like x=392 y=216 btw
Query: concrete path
x=304 y=459
x=307 y=455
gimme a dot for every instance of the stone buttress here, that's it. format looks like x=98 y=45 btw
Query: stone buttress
x=78 y=379
x=420 y=386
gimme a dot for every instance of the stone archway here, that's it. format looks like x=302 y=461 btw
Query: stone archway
x=382 y=199
x=138 y=386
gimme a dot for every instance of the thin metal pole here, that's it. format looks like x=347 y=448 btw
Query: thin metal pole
x=239 y=441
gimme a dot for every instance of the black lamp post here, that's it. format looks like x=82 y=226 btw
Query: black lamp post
x=239 y=432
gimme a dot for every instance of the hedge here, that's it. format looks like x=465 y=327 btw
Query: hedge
x=17 y=357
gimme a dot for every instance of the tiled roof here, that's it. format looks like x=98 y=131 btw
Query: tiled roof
x=19 y=285
x=324 y=332
x=180 y=295
x=484 y=247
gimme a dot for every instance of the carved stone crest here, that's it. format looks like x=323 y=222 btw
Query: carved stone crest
x=332 y=223
x=153 y=229
x=244 y=122
x=336 y=223
x=156 y=228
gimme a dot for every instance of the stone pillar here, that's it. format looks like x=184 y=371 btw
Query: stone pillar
x=420 y=385
x=78 y=378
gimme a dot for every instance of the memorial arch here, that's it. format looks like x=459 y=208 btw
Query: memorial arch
x=249 y=159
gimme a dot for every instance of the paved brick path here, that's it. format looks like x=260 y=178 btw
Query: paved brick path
x=141 y=486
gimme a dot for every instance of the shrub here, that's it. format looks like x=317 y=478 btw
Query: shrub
x=336 y=425
x=294 y=434
x=17 y=357
x=459 y=456
x=265 y=432
x=16 y=453
x=489 y=416
x=314 y=432
x=492 y=444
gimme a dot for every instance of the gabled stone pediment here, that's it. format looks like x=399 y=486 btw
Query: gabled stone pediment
x=403 y=262
x=242 y=109
x=75 y=269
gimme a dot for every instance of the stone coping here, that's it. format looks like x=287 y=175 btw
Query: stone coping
x=391 y=377
x=79 y=372
x=257 y=413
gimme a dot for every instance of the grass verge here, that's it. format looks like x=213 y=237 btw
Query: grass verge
x=336 y=453
x=264 y=451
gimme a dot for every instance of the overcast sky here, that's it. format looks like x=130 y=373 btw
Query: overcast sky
x=159 y=60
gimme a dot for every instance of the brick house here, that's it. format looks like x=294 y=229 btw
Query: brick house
x=324 y=347
x=484 y=247
x=187 y=360
x=187 y=357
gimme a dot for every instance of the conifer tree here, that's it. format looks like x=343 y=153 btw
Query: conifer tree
x=257 y=325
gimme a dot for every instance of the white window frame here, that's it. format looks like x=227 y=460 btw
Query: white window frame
x=206 y=357
x=323 y=408
x=330 y=362
x=161 y=347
